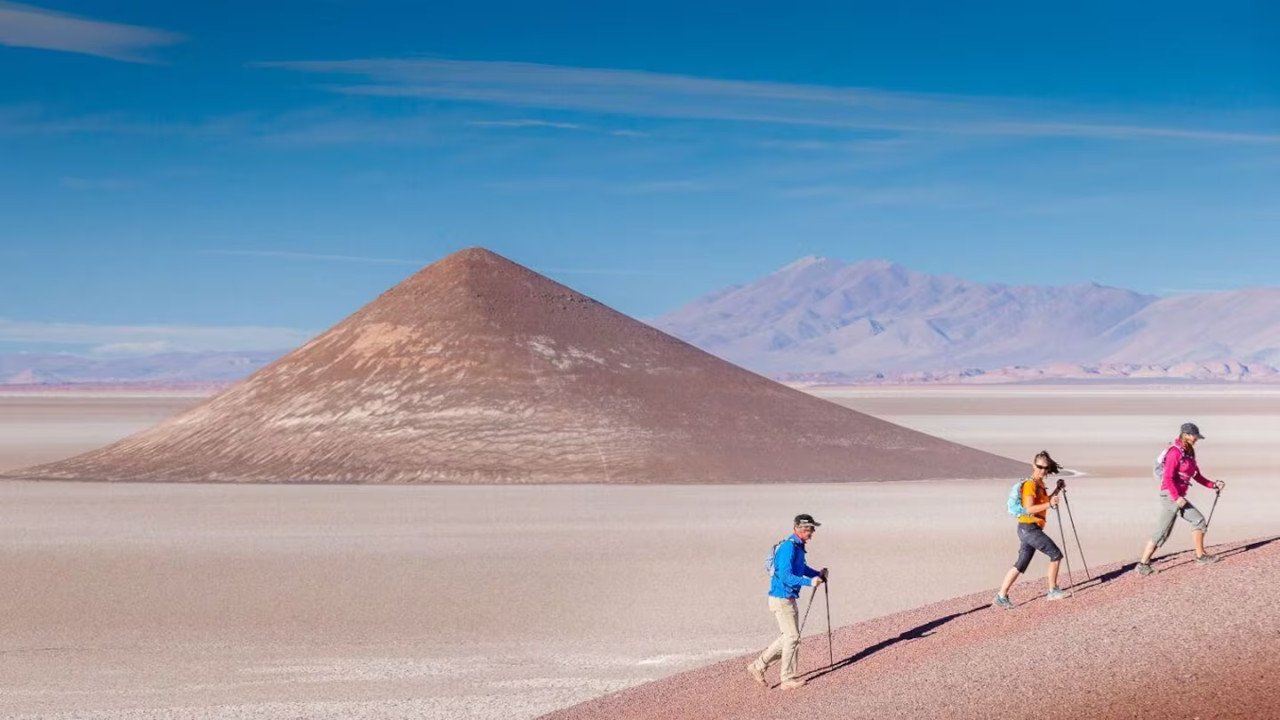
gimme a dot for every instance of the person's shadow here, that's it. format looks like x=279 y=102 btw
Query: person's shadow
x=912 y=634
x=924 y=630
x=1128 y=567
x=1191 y=557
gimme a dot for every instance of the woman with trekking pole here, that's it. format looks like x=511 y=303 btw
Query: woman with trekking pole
x=1176 y=468
x=1030 y=501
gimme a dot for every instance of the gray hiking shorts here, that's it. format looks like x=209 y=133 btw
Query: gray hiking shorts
x=1169 y=512
x=1031 y=539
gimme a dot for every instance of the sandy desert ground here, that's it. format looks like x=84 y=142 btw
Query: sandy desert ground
x=150 y=601
x=37 y=428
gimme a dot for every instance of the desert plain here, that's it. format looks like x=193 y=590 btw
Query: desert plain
x=135 y=600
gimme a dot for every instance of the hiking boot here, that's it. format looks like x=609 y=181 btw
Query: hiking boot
x=793 y=684
x=1055 y=594
x=1207 y=559
x=757 y=674
x=1145 y=569
x=1003 y=602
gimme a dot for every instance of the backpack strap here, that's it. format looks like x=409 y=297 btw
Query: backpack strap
x=1022 y=494
x=773 y=558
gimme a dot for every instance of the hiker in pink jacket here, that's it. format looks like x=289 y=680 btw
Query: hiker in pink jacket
x=1178 y=469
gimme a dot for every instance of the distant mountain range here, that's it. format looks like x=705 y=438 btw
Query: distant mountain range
x=824 y=320
x=169 y=368
x=822 y=317
x=1053 y=373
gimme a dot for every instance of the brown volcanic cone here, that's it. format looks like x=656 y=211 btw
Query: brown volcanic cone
x=478 y=370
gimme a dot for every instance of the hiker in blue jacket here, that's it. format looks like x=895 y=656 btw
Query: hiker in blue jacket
x=789 y=574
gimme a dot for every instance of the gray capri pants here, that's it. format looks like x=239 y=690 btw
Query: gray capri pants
x=1033 y=539
x=1169 y=512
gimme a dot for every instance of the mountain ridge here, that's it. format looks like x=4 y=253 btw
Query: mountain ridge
x=827 y=316
x=874 y=320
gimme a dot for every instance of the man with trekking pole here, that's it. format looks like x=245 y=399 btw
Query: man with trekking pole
x=1175 y=468
x=788 y=574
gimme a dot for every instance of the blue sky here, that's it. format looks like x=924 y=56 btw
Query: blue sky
x=240 y=174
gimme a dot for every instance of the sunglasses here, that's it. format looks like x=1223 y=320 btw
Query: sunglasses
x=1042 y=467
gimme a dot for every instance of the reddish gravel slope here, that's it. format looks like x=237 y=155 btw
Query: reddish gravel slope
x=478 y=370
x=1189 y=642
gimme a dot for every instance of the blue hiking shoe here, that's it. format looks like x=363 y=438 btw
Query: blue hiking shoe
x=1055 y=594
x=1003 y=602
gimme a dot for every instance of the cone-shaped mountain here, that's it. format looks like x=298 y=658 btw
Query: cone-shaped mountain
x=478 y=370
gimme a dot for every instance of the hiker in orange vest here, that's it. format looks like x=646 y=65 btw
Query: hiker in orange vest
x=1030 y=502
x=1176 y=471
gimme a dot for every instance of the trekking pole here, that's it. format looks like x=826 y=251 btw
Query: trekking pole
x=831 y=653
x=1067 y=499
x=1216 y=494
x=1066 y=555
x=812 y=595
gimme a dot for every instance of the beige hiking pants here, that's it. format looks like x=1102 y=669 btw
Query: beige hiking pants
x=787 y=646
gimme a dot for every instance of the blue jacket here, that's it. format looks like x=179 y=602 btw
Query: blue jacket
x=789 y=571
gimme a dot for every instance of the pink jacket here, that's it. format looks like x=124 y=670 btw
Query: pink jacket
x=1179 y=471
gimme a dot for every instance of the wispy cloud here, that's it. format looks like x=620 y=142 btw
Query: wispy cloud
x=645 y=94
x=417 y=263
x=314 y=127
x=953 y=197
x=32 y=27
x=35 y=120
x=865 y=145
x=658 y=187
x=315 y=256
x=148 y=339
x=134 y=349
x=79 y=183
x=534 y=123
x=529 y=124
x=1084 y=204
x=302 y=127
x=587 y=185
x=938 y=197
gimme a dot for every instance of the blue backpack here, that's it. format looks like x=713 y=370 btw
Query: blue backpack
x=1014 y=503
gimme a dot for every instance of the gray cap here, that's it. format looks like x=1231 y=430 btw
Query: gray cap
x=1192 y=430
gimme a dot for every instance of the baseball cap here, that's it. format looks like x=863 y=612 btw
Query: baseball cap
x=1192 y=430
x=806 y=519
